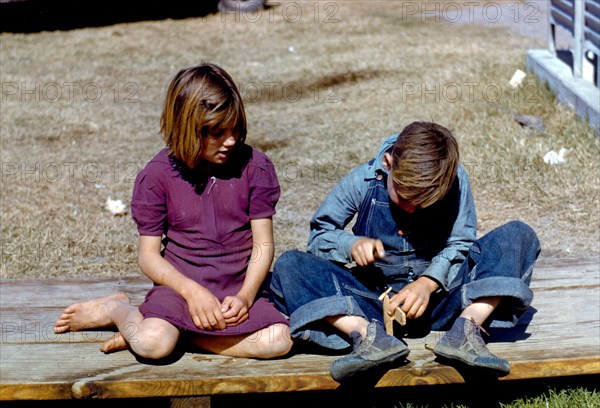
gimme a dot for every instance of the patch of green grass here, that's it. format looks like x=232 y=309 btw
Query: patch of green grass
x=567 y=398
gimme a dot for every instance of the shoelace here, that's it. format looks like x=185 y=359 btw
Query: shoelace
x=477 y=326
x=477 y=340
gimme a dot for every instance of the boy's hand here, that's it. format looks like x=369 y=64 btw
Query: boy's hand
x=413 y=299
x=366 y=250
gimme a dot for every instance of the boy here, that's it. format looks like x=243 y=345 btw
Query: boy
x=415 y=232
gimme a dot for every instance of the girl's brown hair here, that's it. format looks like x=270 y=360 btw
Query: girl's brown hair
x=424 y=163
x=200 y=100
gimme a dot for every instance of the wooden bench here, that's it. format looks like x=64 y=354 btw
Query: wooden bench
x=559 y=336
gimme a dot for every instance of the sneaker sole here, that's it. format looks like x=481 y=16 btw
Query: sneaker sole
x=499 y=372
x=363 y=366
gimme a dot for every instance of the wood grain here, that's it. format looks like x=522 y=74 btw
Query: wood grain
x=557 y=337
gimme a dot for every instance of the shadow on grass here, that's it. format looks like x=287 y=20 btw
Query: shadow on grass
x=471 y=395
x=27 y=16
x=430 y=396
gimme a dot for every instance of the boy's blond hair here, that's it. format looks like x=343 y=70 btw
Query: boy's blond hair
x=200 y=100
x=424 y=163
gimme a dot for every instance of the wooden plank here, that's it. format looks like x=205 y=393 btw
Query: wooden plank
x=548 y=273
x=554 y=302
x=63 y=292
x=556 y=274
x=36 y=325
x=120 y=376
x=549 y=307
x=36 y=364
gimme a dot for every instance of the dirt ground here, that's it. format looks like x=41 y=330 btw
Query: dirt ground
x=324 y=83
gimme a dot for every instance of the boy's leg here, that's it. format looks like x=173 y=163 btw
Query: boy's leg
x=311 y=291
x=497 y=270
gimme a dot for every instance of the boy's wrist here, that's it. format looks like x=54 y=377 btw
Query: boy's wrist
x=430 y=282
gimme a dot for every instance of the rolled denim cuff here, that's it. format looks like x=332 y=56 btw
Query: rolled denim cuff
x=345 y=244
x=318 y=310
x=512 y=290
x=438 y=271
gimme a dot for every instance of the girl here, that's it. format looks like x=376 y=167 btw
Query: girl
x=203 y=207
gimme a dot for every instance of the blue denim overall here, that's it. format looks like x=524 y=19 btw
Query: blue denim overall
x=409 y=240
x=308 y=288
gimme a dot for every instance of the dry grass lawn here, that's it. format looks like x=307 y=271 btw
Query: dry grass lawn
x=324 y=83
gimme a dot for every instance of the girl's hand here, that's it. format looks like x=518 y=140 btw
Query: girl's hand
x=413 y=299
x=205 y=308
x=235 y=310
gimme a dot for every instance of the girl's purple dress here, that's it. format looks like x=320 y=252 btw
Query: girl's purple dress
x=205 y=222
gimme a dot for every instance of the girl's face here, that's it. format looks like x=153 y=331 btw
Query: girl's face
x=217 y=147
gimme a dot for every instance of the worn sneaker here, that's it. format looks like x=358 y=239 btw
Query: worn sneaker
x=463 y=342
x=378 y=349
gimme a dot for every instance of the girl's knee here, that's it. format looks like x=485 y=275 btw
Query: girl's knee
x=274 y=341
x=154 y=342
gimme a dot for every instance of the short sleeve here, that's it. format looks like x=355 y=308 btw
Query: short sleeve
x=264 y=187
x=148 y=206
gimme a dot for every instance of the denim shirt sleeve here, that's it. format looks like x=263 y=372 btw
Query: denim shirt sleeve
x=445 y=265
x=328 y=238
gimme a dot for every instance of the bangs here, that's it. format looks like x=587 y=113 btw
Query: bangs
x=219 y=121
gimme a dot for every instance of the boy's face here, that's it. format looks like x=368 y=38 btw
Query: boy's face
x=397 y=199
x=217 y=148
x=393 y=191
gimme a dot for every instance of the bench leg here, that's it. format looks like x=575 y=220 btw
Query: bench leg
x=190 y=402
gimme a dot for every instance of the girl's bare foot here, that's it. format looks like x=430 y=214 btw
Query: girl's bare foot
x=89 y=315
x=115 y=343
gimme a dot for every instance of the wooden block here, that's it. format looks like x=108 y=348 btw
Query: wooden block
x=388 y=320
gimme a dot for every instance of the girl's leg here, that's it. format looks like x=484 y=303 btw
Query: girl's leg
x=94 y=314
x=149 y=338
x=270 y=342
